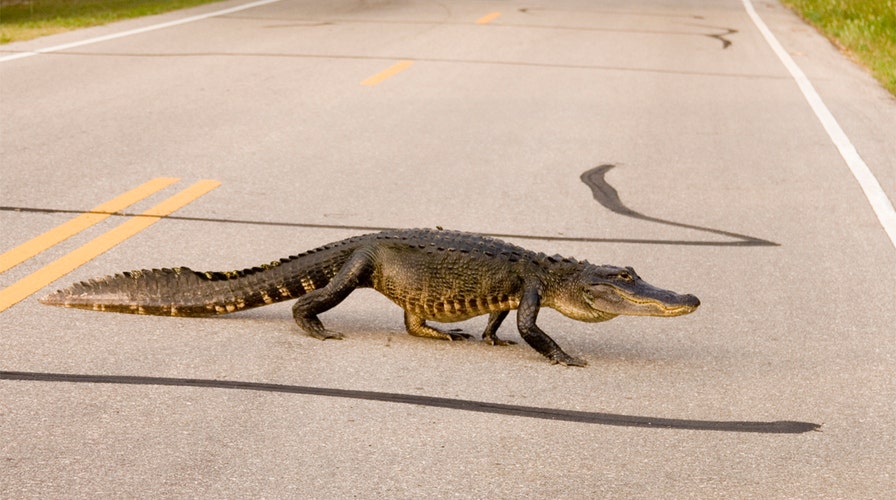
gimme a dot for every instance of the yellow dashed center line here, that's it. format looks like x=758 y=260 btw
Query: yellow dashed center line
x=488 y=18
x=34 y=246
x=30 y=284
x=387 y=73
x=403 y=65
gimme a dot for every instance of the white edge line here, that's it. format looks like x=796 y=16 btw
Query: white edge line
x=880 y=203
x=136 y=31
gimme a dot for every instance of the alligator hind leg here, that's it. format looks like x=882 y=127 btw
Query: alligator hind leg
x=490 y=334
x=355 y=272
x=417 y=327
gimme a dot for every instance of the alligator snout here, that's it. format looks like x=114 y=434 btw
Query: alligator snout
x=683 y=304
x=690 y=301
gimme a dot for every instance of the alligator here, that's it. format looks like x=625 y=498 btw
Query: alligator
x=433 y=274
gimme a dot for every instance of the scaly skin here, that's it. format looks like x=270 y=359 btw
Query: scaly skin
x=435 y=275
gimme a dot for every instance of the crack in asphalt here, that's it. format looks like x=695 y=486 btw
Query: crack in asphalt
x=591 y=67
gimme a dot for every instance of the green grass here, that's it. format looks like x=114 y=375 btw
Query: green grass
x=27 y=19
x=864 y=29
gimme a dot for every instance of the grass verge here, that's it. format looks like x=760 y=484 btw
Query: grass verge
x=864 y=29
x=27 y=19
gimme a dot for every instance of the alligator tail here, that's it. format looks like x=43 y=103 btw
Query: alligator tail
x=176 y=292
x=183 y=292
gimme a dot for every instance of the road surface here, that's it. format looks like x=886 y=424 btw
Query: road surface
x=667 y=136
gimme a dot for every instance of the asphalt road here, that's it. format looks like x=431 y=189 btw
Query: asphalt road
x=667 y=136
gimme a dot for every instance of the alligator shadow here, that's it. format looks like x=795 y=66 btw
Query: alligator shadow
x=584 y=417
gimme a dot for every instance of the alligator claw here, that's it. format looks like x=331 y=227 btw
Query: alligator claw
x=327 y=335
x=457 y=335
x=566 y=360
x=497 y=341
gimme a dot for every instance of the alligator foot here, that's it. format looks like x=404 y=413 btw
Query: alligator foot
x=326 y=335
x=457 y=334
x=493 y=340
x=490 y=335
x=417 y=327
x=313 y=327
x=560 y=357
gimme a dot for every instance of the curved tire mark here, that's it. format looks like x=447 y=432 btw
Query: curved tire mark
x=722 y=37
x=606 y=195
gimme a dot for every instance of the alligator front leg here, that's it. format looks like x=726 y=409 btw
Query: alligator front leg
x=491 y=329
x=308 y=306
x=526 y=315
x=417 y=327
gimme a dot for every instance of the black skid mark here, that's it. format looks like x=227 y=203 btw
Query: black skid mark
x=608 y=197
x=722 y=37
x=583 y=417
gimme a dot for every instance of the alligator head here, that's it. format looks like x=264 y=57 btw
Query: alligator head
x=600 y=293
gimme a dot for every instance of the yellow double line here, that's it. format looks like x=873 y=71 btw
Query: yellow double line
x=30 y=284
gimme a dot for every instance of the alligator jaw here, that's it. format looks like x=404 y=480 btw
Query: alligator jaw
x=642 y=300
x=691 y=303
x=667 y=304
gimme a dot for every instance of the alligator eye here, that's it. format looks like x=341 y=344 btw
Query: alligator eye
x=624 y=276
